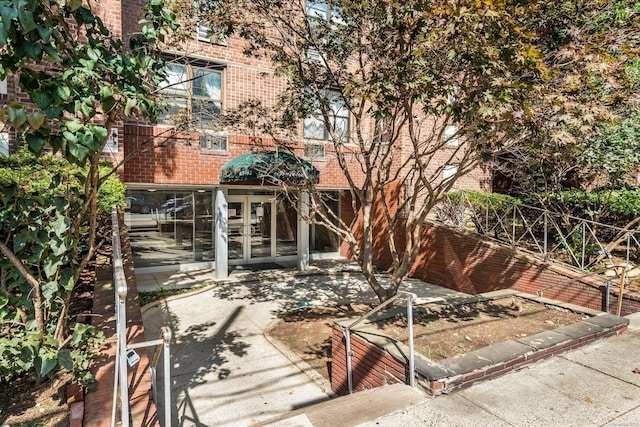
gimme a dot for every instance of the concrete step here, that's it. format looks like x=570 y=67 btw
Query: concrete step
x=351 y=410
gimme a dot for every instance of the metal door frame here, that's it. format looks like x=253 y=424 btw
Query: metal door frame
x=246 y=227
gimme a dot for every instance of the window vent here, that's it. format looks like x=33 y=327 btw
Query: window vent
x=204 y=36
x=314 y=56
x=314 y=151
x=212 y=142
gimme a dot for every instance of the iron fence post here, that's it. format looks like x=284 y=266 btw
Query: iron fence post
x=166 y=337
x=412 y=369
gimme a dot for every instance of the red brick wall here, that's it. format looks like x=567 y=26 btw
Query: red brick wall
x=98 y=402
x=466 y=262
x=371 y=366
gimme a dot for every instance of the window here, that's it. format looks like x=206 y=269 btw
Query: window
x=448 y=172
x=320 y=11
x=314 y=151
x=450 y=135
x=3 y=87
x=205 y=35
x=4 y=144
x=213 y=142
x=337 y=115
x=193 y=93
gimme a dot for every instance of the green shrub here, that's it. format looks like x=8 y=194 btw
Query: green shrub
x=41 y=200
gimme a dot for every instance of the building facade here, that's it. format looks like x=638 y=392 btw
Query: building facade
x=181 y=211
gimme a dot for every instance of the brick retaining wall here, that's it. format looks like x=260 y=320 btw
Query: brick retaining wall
x=379 y=360
x=469 y=263
x=98 y=402
x=371 y=366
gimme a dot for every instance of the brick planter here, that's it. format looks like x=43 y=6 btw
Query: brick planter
x=379 y=360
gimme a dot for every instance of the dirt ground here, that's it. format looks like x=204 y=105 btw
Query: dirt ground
x=440 y=331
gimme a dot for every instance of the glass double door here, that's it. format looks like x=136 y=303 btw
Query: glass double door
x=250 y=229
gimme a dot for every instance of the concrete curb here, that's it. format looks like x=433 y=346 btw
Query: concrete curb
x=196 y=291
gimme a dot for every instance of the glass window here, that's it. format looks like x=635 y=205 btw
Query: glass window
x=317 y=9
x=449 y=172
x=451 y=135
x=196 y=92
x=320 y=10
x=337 y=116
x=4 y=143
x=323 y=239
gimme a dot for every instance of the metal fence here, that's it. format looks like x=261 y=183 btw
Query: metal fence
x=126 y=356
x=579 y=242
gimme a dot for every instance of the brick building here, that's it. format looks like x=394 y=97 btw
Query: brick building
x=179 y=211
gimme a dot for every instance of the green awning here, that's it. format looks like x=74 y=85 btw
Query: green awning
x=275 y=167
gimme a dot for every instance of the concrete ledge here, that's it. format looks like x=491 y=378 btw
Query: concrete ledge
x=605 y=320
x=579 y=330
x=544 y=340
x=484 y=357
x=457 y=373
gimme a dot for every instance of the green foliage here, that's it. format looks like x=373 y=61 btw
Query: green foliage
x=614 y=153
x=90 y=80
x=38 y=198
x=80 y=82
x=111 y=192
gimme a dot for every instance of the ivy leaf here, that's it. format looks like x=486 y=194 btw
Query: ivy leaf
x=45 y=33
x=3 y=34
x=73 y=125
x=49 y=289
x=79 y=152
x=63 y=93
x=108 y=104
x=99 y=134
x=36 y=142
x=50 y=266
x=41 y=99
x=19 y=242
x=36 y=119
x=17 y=116
x=26 y=355
x=65 y=360
x=58 y=246
x=33 y=50
x=79 y=332
x=44 y=364
x=60 y=225
x=25 y=17
x=66 y=279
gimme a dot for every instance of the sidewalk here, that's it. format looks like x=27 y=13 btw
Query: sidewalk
x=591 y=386
x=226 y=373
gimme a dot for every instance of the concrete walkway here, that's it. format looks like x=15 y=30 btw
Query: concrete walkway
x=226 y=372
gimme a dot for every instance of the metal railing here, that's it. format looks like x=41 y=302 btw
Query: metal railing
x=574 y=241
x=126 y=355
x=347 y=334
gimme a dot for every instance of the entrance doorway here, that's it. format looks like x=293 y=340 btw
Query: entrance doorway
x=251 y=224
